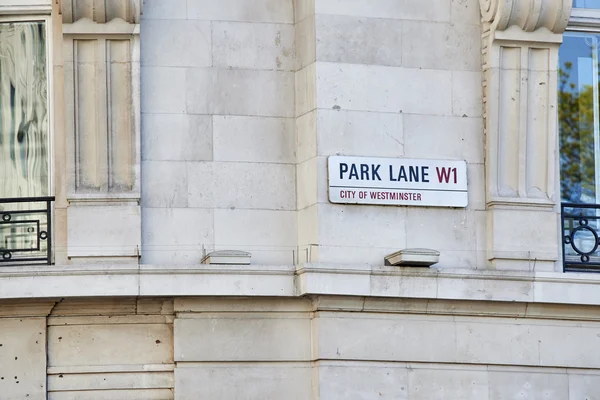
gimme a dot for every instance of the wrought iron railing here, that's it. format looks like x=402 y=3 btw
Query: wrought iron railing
x=26 y=231
x=581 y=237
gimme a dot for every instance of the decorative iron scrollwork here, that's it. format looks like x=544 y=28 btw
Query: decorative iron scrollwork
x=581 y=237
x=25 y=231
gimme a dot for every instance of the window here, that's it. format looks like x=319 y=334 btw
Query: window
x=24 y=120
x=25 y=224
x=579 y=137
x=578 y=118
x=586 y=4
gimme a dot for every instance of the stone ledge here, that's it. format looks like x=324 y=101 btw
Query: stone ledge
x=448 y=284
x=305 y=280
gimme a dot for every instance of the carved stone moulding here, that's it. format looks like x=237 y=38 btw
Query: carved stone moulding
x=101 y=11
x=528 y=15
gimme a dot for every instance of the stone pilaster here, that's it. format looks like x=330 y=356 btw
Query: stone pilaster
x=520 y=60
x=101 y=51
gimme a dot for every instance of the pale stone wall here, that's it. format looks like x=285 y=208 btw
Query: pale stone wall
x=380 y=79
x=218 y=130
x=242 y=101
x=220 y=120
x=321 y=347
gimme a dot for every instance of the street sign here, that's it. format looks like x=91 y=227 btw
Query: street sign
x=397 y=181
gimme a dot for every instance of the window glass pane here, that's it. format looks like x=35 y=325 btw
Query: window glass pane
x=586 y=4
x=23 y=110
x=579 y=118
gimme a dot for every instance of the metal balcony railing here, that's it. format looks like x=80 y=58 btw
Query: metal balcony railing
x=581 y=237
x=26 y=231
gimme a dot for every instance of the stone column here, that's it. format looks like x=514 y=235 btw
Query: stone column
x=101 y=50
x=520 y=60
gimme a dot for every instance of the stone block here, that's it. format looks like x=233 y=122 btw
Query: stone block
x=379 y=227
x=362 y=381
x=383 y=337
x=109 y=344
x=361 y=133
x=461 y=382
x=499 y=341
x=269 y=235
x=241 y=185
x=384 y=89
x=578 y=345
x=311 y=182
x=23 y=358
x=433 y=45
x=584 y=385
x=309 y=179
x=486 y=288
x=467 y=94
x=308 y=228
x=330 y=281
x=129 y=394
x=384 y=285
x=465 y=12
x=439 y=137
x=104 y=231
x=109 y=380
x=86 y=283
x=306 y=42
x=306 y=136
x=457 y=234
x=528 y=385
x=229 y=304
x=525 y=235
x=210 y=280
x=160 y=9
x=549 y=290
x=303 y=9
x=253 y=139
x=240 y=92
x=164 y=184
x=236 y=337
x=348 y=255
x=253 y=46
x=164 y=90
x=437 y=10
x=275 y=11
x=177 y=137
x=243 y=381
x=476 y=182
x=456 y=339
x=306 y=90
x=166 y=43
x=354 y=40
x=176 y=235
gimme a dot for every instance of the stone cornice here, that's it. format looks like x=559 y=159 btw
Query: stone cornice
x=528 y=15
x=100 y=11
x=305 y=280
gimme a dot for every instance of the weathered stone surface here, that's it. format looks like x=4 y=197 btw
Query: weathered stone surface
x=253 y=46
x=257 y=337
x=23 y=358
x=346 y=39
x=252 y=382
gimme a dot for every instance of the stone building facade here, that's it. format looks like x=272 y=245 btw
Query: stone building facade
x=155 y=133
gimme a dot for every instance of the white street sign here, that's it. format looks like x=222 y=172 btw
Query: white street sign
x=397 y=181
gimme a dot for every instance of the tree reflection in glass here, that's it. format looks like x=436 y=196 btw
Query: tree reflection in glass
x=593 y=4
x=578 y=119
x=23 y=110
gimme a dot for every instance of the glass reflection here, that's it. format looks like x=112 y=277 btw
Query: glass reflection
x=586 y=4
x=579 y=119
x=23 y=110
